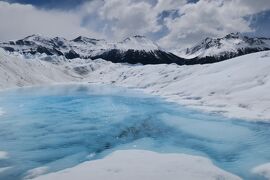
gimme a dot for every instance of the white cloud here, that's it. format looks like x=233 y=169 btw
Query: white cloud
x=22 y=20
x=210 y=18
x=253 y=6
x=129 y=17
x=117 y=19
x=162 y=5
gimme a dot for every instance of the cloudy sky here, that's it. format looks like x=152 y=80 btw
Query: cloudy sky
x=171 y=23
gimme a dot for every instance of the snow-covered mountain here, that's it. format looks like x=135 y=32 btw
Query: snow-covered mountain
x=217 y=49
x=136 y=49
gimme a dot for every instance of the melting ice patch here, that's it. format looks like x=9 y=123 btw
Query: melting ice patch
x=4 y=169
x=36 y=172
x=262 y=170
x=1 y=111
x=62 y=126
x=3 y=155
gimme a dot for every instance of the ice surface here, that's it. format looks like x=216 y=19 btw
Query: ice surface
x=143 y=165
x=1 y=111
x=36 y=172
x=61 y=126
x=3 y=155
x=4 y=169
x=262 y=170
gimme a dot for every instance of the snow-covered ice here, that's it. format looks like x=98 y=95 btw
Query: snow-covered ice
x=1 y=111
x=3 y=155
x=4 y=169
x=36 y=172
x=16 y=71
x=263 y=170
x=143 y=165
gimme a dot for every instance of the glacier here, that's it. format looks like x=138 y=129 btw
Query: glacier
x=231 y=88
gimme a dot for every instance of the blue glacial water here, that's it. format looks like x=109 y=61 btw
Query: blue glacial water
x=62 y=126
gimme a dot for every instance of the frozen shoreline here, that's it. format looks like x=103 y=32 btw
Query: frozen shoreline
x=236 y=88
x=144 y=165
x=262 y=170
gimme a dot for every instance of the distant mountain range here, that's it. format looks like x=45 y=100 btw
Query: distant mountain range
x=138 y=49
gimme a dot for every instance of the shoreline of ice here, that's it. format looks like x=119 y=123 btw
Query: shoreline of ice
x=262 y=170
x=2 y=112
x=3 y=155
x=143 y=165
x=236 y=88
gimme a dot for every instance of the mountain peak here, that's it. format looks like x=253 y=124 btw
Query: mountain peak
x=34 y=37
x=233 y=35
x=138 y=42
x=231 y=45
x=138 y=38
x=84 y=39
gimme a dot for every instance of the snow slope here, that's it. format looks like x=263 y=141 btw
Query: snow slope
x=235 y=88
x=17 y=72
x=143 y=165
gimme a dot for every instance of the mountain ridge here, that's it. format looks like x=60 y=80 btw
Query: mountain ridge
x=135 y=49
x=138 y=49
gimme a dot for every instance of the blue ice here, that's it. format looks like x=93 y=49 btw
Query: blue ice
x=62 y=126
